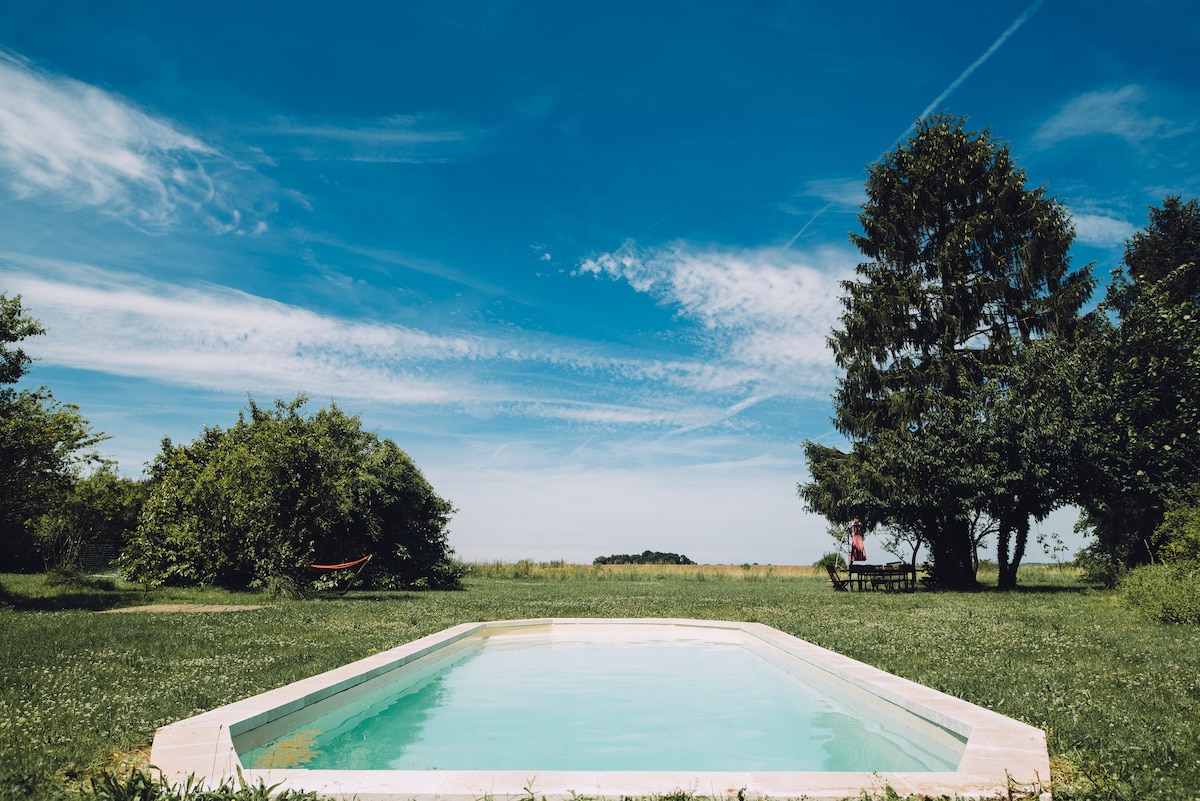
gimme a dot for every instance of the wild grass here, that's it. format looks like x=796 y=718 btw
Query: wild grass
x=1118 y=696
x=563 y=571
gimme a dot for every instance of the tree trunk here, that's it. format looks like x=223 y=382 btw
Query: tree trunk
x=1008 y=566
x=953 y=567
x=1002 y=539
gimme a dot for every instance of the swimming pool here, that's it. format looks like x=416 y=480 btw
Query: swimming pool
x=607 y=708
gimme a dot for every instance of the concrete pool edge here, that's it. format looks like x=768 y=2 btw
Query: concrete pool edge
x=1000 y=753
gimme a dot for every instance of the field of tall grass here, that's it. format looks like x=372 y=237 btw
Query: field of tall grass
x=1118 y=697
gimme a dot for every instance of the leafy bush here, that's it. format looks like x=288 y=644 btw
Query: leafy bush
x=98 y=508
x=1167 y=593
x=1099 y=566
x=69 y=575
x=256 y=504
x=1178 y=538
x=832 y=558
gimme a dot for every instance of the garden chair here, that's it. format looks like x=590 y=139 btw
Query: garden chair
x=840 y=584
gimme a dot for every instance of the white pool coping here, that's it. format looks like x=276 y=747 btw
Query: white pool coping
x=1001 y=754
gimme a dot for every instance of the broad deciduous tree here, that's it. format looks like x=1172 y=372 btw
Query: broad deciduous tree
x=1137 y=411
x=44 y=444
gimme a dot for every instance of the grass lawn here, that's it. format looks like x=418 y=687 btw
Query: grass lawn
x=1118 y=697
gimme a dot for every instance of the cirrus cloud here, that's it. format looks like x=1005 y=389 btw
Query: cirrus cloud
x=1117 y=112
x=768 y=310
x=85 y=147
x=223 y=340
x=1101 y=230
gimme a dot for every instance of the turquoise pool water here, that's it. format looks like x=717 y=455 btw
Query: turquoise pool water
x=610 y=706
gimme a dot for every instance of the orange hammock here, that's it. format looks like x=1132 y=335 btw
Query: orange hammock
x=343 y=565
x=360 y=563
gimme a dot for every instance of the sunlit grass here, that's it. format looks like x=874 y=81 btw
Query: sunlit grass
x=1119 y=697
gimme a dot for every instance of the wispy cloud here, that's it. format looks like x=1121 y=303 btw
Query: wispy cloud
x=761 y=308
x=407 y=261
x=401 y=138
x=85 y=147
x=217 y=338
x=220 y=339
x=1101 y=230
x=1116 y=112
x=844 y=193
x=847 y=192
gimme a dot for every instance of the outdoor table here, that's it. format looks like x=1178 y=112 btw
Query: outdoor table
x=893 y=576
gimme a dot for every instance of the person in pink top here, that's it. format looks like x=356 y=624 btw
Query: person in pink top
x=858 y=551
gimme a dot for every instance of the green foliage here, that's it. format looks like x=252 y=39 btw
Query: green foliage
x=15 y=326
x=254 y=505
x=138 y=784
x=1154 y=257
x=1137 y=407
x=44 y=444
x=967 y=268
x=833 y=558
x=1099 y=567
x=1178 y=538
x=1166 y=593
x=100 y=507
x=643 y=558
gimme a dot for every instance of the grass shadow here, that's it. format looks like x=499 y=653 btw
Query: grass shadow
x=1050 y=589
x=71 y=600
x=50 y=592
x=365 y=595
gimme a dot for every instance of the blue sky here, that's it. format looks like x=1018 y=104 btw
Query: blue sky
x=580 y=261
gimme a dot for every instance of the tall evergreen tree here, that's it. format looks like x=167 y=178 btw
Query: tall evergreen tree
x=967 y=266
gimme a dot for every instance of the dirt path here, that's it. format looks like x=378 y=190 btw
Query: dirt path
x=183 y=608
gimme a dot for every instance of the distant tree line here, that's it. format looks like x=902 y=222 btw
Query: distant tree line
x=980 y=392
x=643 y=558
x=254 y=505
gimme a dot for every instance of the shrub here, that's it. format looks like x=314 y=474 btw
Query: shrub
x=1178 y=537
x=1098 y=566
x=1167 y=593
x=832 y=558
x=254 y=505
x=69 y=575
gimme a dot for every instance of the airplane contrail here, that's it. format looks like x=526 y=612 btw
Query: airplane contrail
x=1025 y=15
x=1029 y=12
x=811 y=220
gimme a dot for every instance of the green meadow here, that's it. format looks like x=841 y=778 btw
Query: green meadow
x=82 y=690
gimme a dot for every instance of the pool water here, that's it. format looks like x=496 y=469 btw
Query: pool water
x=614 y=706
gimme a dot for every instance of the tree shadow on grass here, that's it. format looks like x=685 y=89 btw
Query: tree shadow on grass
x=68 y=601
x=91 y=598
x=1020 y=589
x=366 y=595
x=1050 y=589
